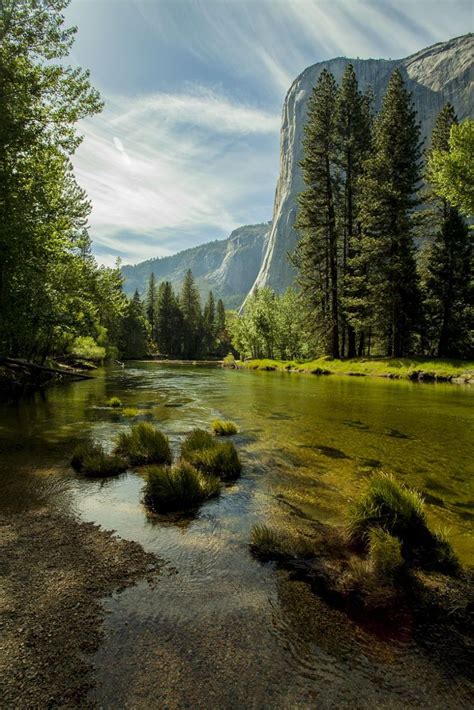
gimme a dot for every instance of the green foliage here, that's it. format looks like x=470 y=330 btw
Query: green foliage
x=192 y=317
x=144 y=445
x=85 y=348
x=178 y=488
x=270 y=326
x=196 y=440
x=229 y=360
x=151 y=307
x=114 y=402
x=390 y=506
x=220 y=427
x=385 y=555
x=90 y=459
x=169 y=321
x=210 y=456
x=134 y=330
x=452 y=171
x=130 y=412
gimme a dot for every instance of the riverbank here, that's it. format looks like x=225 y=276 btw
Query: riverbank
x=56 y=572
x=415 y=369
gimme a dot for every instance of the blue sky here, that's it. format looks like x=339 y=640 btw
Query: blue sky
x=187 y=147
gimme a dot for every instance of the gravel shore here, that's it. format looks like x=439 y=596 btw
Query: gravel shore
x=54 y=572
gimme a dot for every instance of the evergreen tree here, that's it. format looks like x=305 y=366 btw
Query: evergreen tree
x=209 y=323
x=192 y=317
x=169 y=321
x=353 y=132
x=151 y=306
x=389 y=189
x=316 y=256
x=447 y=263
x=135 y=330
x=448 y=288
x=220 y=316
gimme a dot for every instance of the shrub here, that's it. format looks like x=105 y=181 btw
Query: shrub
x=391 y=506
x=385 y=554
x=197 y=440
x=114 y=402
x=178 y=487
x=229 y=361
x=223 y=428
x=90 y=459
x=144 y=445
x=85 y=348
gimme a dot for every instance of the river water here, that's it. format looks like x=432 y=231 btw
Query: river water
x=217 y=629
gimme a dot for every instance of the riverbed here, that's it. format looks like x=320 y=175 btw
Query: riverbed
x=217 y=628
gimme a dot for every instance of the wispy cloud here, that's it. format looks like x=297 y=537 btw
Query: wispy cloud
x=164 y=164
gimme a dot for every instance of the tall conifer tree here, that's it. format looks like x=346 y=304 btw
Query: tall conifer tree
x=316 y=255
x=151 y=299
x=192 y=317
x=389 y=196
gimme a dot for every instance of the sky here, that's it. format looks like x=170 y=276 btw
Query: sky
x=187 y=146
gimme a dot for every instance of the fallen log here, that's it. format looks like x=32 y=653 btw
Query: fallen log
x=25 y=374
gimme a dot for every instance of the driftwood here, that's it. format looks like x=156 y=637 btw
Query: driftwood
x=20 y=375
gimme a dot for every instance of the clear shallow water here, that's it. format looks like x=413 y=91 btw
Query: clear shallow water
x=218 y=629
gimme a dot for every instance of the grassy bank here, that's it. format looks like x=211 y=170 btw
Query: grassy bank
x=414 y=368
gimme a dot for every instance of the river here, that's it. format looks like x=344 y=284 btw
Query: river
x=217 y=628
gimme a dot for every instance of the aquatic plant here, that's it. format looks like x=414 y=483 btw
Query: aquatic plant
x=91 y=459
x=178 y=488
x=385 y=553
x=220 y=460
x=144 y=445
x=196 y=440
x=267 y=543
x=130 y=412
x=114 y=402
x=220 y=427
x=389 y=505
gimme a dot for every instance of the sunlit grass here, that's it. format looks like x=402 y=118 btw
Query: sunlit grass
x=212 y=457
x=114 y=402
x=178 y=488
x=130 y=412
x=144 y=444
x=220 y=427
x=404 y=368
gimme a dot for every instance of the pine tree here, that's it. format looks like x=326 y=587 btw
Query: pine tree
x=169 y=321
x=353 y=131
x=389 y=189
x=316 y=256
x=135 y=330
x=192 y=317
x=447 y=263
x=209 y=323
x=151 y=299
x=220 y=316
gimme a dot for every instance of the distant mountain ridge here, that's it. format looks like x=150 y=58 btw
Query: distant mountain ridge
x=228 y=267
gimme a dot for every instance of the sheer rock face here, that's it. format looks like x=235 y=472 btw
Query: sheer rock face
x=441 y=73
x=227 y=267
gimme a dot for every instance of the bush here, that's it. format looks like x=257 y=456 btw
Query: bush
x=114 y=402
x=391 y=506
x=90 y=459
x=178 y=488
x=223 y=428
x=385 y=553
x=229 y=361
x=85 y=348
x=144 y=445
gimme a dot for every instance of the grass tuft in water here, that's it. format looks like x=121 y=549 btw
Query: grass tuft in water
x=90 y=459
x=130 y=412
x=220 y=427
x=385 y=553
x=388 y=505
x=114 y=402
x=144 y=444
x=178 y=488
x=210 y=456
x=266 y=543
